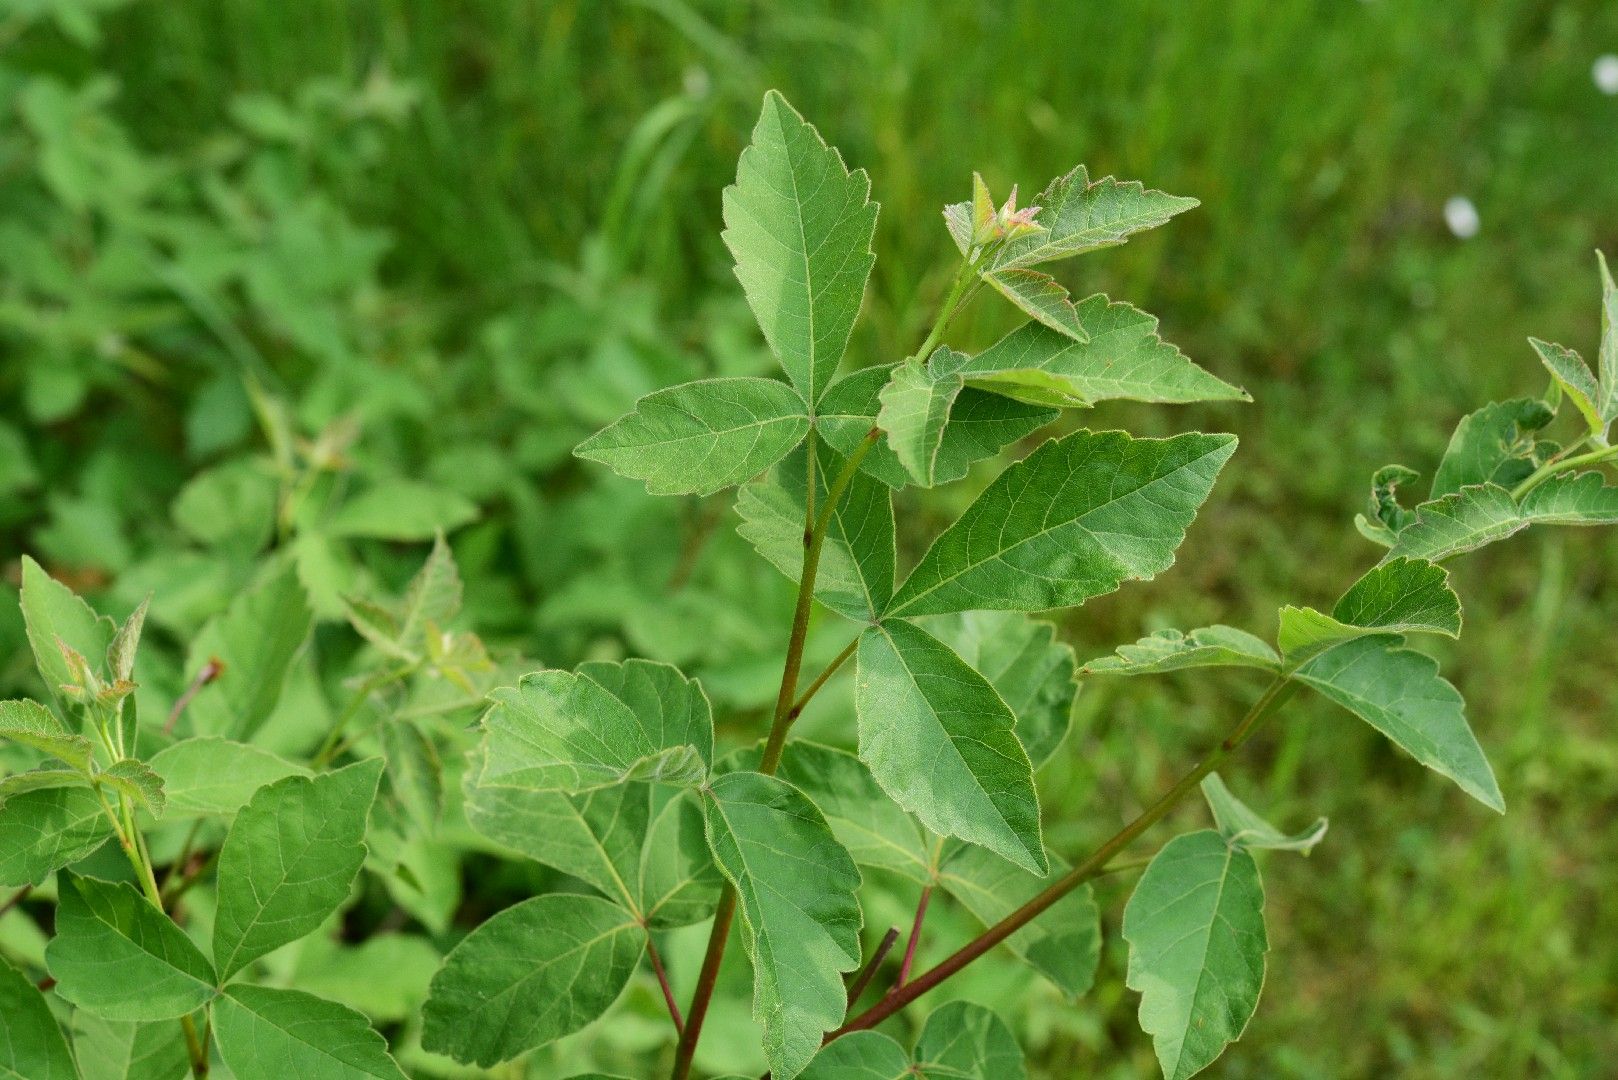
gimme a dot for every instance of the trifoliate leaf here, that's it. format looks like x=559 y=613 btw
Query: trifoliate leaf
x=216 y=777
x=31 y=724
x=797 y=893
x=119 y=957
x=129 y=1049
x=919 y=702
x=289 y=861
x=1573 y=375
x=981 y=424
x=1124 y=358
x=1240 y=826
x=1042 y=298
x=702 y=436
x=1074 y=519
x=256 y=639
x=1079 y=215
x=267 y=1031
x=1063 y=943
x=799 y=226
x=1195 y=927
x=1497 y=444
x=44 y=830
x=1030 y=670
x=1171 y=650
x=1400 y=596
x=916 y=405
x=31 y=1043
x=1400 y=693
x=856 y=572
x=607 y=723
x=678 y=883
x=55 y=616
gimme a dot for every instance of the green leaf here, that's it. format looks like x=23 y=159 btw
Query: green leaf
x=797 y=890
x=919 y=702
x=1497 y=444
x=1400 y=693
x=289 y=860
x=415 y=773
x=607 y=723
x=210 y=776
x=119 y=957
x=1042 y=298
x=38 y=780
x=129 y=1049
x=1063 y=943
x=1607 y=358
x=860 y=1055
x=55 y=616
x=535 y=972
x=1400 y=596
x=702 y=436
x=1171 y=650
x=916 y=405
x=1195 y=928
x=432 y=598
x=256 y=639
x=265 y=1031
x=856 y=571
x=1384 y=518
x=1240 y=826
x=799 y=226
x=136 y=781
x=1079 y=215
x=1124 y=358
x=1573 y=375
x=1030 y=670
x=31 y=1044
x=597 y=837
x=41 y=831
x=963 y=1041
x=874 y=830
x=981 y=424
x=31 y=724
x=1483 y=514
x=1074 y=519
x=678 y=882
x=402 y=510
x=229 y=506
x=121 y=650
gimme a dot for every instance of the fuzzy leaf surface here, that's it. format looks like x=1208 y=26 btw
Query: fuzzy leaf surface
x=1080 y=215
x=916 y=406
x=1042 y=298
x=55 y=616
x=678 y=881
x=129 y=1049
x=1399 y=596
x=1497 y=444
x=31 y=724
x=1241 y=826
x=1575 y=378
x=210 y=776
x=866 y=821
x=1172 y=650
x=1477 y=516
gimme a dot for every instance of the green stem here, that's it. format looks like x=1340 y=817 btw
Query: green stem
x=820 y=680
x=965 y=277
x=1552 y=468
x=333 y=746
x=1279 y=690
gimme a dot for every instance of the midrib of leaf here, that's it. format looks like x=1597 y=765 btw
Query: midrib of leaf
x=539 y=972
x=321 y=1050
x=606 y=860
x=261 y=906
x=1112 y=497
x=161 y=958
x=1207 y=937
x=803 y=250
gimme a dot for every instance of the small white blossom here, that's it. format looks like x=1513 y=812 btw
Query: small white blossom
x=1461 y=217
x=1605 y=73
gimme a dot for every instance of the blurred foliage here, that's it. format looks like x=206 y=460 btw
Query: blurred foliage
x=298 y=285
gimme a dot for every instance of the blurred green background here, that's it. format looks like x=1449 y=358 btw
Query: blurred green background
x=443 y=242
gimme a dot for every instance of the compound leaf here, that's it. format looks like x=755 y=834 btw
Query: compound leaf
x=129 y=1049
x=702 y=436
x=678 y=883
x=860 y=1055
x=1079 y=215
x=870 y=825
x=1239 y=825
x=964 y=1041
x=1172 y=650
x=1195 y=927
x=267 y=1031
x=1485 y=513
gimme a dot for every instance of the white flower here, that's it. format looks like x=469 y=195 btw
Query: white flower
x=1461 y=217
x=1605 y=73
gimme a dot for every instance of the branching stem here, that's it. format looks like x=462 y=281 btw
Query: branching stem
x=1553 y=467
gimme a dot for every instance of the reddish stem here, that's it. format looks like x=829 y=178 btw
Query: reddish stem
x=915 y=936
x=663 y=981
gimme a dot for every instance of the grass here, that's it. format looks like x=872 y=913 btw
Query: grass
x=577 y=149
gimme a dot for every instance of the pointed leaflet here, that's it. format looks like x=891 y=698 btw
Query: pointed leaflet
x=1030 y=670
x=1042 y=298
x=535 y=972
x=875 y=831
x=44 y=830
x=31 y=724
x=265 y=1031
x=1476 y=516
x=121 y=650
x=1607 y=360
x=55 y=616
x=799 y=226
x=941 y=742
x=256 y=639
x=212 y=776
x=1239 y=825
x=1171 y=650
x=1063 y=943
x=1123 y=358
x=1400 y=596
x=678 y=882
x=31 y=1044
x=1497 y=444
x=119 y=957
x=981 y=424
x=1400 y=693
x=1573 y=375
x=606 y=723
x=289 y=860
x=431 y=600
x=129 y=1049
x=136 y=781
x=1079 y=216
x=796 y=888
x=916 y=405
x=1195 y=928
x=960 y=1041
x=701 y=436
x=1074 y=519
x=856 y=571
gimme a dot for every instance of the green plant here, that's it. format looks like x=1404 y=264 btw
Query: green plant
x=215 y=937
